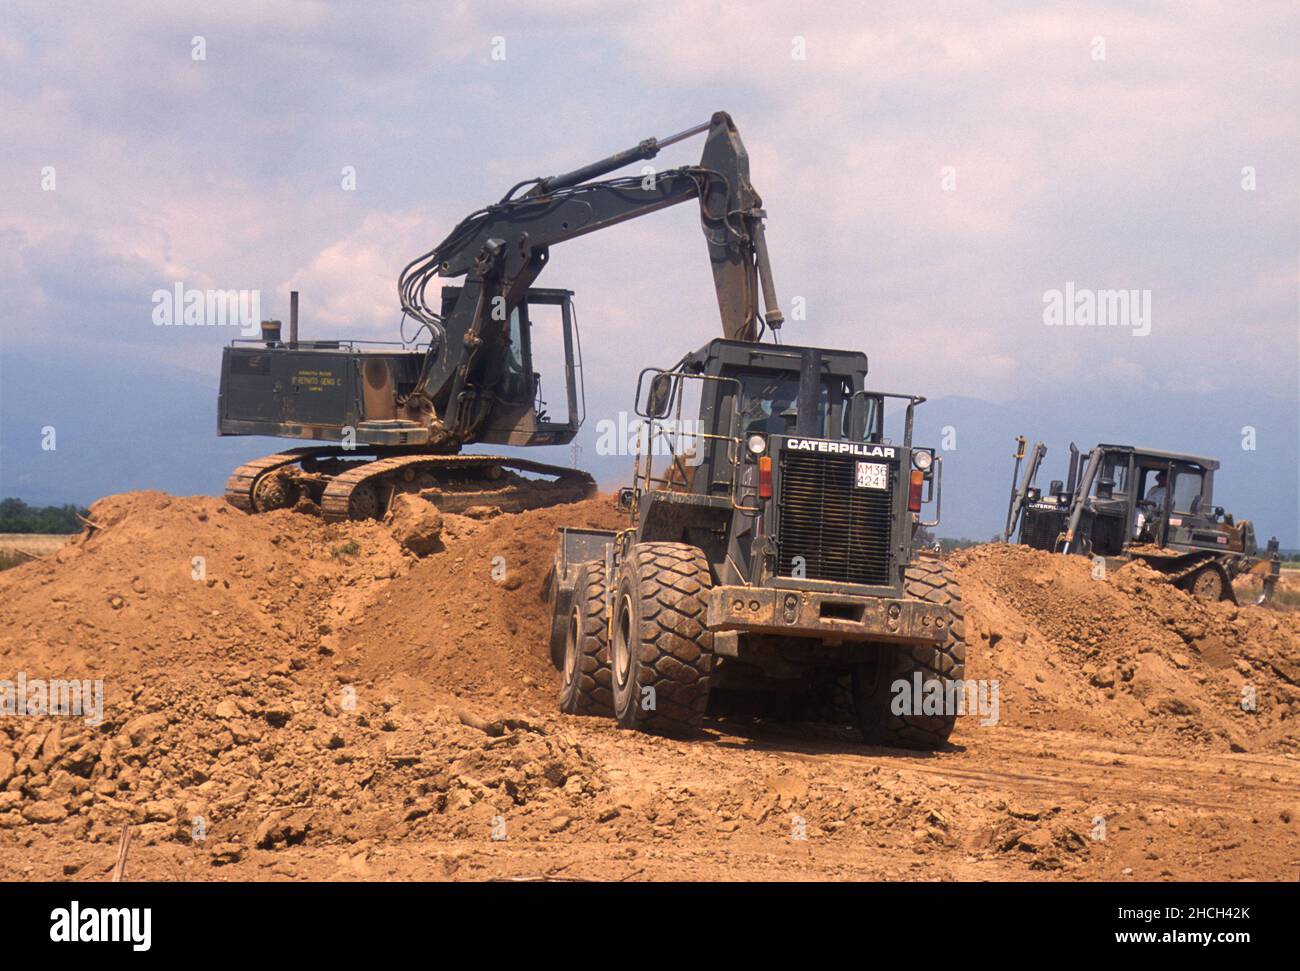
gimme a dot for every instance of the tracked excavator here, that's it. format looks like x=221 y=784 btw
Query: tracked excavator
x=394 y=417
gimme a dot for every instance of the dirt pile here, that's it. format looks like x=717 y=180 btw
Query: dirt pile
x=1127 y=654
x=471 y=621
x=228 y=709
x=287 y=697
x=164 y=586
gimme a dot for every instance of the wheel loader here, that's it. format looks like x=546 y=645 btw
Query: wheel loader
x=772 y=548
x=1124 y=503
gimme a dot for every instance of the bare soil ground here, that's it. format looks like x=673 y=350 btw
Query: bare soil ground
x=316 y=703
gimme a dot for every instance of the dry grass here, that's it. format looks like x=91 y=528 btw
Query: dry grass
x=38 y=544
x=19 y=548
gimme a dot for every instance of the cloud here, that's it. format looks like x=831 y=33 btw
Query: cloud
x=1122 y=172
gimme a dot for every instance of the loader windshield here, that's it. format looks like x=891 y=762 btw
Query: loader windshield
x=769 y=404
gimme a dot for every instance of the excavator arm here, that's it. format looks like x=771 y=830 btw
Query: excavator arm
x=501 y=249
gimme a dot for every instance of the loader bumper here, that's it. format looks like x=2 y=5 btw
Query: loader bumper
x=826 y=616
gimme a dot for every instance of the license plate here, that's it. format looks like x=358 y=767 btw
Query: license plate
x=872 y=475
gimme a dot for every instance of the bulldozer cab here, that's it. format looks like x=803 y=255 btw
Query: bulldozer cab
x=1127 y=496
x=1147 y=496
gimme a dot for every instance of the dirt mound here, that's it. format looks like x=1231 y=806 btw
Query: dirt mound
x=471 y=621
x=1128 y=654
x=287 y=697
x=227 y=708
x=163 y=585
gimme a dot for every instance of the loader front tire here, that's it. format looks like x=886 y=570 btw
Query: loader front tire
x=584 y=673
x=661 y=653
x=944 y=663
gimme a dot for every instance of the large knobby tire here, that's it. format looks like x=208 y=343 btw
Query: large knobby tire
x=584 y=673
x=661 y=654
x=831 y=701
x=945 y=662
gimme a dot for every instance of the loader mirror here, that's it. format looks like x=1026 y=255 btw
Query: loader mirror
x=660 y=396
x=626 y=498
x=1057 y=487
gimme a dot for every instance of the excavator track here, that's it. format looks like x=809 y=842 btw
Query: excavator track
x=363 y=489
x=358 y=492
x=240 y=485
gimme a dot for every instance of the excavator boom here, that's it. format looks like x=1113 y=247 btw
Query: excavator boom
x=501 y=249
x=473 y=382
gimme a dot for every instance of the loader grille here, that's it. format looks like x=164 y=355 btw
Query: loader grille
x=842 y=532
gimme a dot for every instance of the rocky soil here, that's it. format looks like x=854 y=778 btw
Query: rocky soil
x=289 y=699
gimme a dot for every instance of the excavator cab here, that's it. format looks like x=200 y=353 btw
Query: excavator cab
x=523 y=410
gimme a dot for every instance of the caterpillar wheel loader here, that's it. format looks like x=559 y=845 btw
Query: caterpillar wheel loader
x=771 y=546
x=394 y=417
x=1125 y=503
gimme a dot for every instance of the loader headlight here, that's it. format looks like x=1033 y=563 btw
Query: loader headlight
x=756 y=444
x=922 y=460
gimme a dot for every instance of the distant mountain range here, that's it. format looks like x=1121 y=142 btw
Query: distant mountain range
x=124 y=423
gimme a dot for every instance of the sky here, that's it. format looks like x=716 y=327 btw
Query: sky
x=936 y=176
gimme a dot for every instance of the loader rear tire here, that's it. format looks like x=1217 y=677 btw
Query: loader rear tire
x=942 y=662
x=661 y=653
x=584 y=674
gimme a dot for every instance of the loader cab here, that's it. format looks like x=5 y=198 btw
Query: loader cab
x=711 y=417
x=778 y=463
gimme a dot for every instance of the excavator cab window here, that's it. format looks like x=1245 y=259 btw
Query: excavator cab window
x=516 y=381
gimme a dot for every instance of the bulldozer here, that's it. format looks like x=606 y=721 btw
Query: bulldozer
x=772 y=546
x=395 y=417
x=1124 y=503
